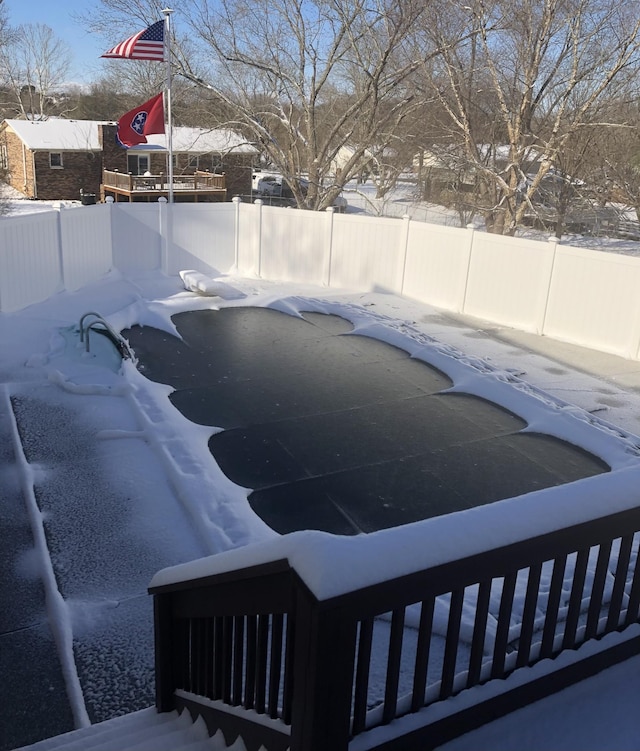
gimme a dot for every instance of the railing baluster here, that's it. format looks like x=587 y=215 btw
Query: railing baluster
x=262 y=654
x=190 y=681
x=451 y=647
x=287 y=685
x=634 y=590
x=479 y=633
x=422 y=655
x=363 y=664
x=196 y=662
x=238 y=659
x=575 y=600
x=250 y=667
x=207 y=657
x=597 y=590
x=218 y=653
x=553 y=603
x=203 y=667
x=504 y=625
x=275 y=663
x=227 y=656
x=183 y=656
x=529 y=615
x=617 y=596
x=393 y=666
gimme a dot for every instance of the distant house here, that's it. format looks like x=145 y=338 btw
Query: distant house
x=57 y=159
x=51 y=159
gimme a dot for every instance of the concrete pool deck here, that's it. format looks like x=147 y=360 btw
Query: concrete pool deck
x=345 y=434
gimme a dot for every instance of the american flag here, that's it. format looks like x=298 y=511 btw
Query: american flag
x=145 y=45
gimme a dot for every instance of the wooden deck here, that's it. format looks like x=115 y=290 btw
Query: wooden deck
x=201 y=186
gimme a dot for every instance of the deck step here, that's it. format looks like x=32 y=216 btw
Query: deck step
x=145 y=730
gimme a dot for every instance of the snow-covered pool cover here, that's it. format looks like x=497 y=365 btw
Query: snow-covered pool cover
x=332 y=565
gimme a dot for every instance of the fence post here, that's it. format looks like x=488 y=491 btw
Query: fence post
x=59 y=240
x=325 y=647
x=404 y=249
x=329 y=254
x=163 y=228
x=542 y=320
x=259 y=204
x=236 y=239
x=109 y=201
x=462 y=299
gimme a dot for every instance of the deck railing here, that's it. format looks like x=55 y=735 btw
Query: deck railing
x=146 y=183
x=257 y=642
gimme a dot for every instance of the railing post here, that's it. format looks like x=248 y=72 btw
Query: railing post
x=323 y=677
x=164 y=651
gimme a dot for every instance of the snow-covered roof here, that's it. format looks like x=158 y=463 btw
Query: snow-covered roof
x=201 y=141
x=57 y=134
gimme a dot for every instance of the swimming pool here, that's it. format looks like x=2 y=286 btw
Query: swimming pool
x=342 y=432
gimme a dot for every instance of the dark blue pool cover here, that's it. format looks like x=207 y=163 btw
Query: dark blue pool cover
x=345 y=434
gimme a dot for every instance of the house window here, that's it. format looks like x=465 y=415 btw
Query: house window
x=194 y=161
x=4 y=158
x=55 y=160
x=137 y=164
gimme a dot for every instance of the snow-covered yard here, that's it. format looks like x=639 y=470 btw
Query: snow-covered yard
x=147 y=494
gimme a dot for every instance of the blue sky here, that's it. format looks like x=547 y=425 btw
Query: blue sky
x=86 y=47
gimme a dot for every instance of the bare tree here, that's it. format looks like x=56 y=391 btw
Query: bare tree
x=304 y=79
x=33 y=65
x=614 y=158
x=546 y=68
x=5 y=38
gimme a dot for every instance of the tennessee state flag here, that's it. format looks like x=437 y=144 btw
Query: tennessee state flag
x=135 y=125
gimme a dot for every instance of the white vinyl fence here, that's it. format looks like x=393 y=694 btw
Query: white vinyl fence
x=582 y=296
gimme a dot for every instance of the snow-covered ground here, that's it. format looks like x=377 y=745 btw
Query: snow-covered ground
x=152 y=485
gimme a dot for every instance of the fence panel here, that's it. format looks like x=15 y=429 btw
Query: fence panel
x=509 y=280
x=30 y=265
x=293 y=244
x=594 y=300
x=367 y=252
x=248 y=240
x=135 y=229
x=86 y=244
x=436 y=264
x=202 y=237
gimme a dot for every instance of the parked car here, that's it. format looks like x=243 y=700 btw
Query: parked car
x=261 y=178
x=272 y=187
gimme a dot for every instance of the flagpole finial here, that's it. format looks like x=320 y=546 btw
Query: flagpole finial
x=167 y=11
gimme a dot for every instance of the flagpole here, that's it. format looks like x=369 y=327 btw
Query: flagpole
x=167 y=52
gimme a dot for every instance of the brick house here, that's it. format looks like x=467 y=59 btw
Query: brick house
x=56 y=159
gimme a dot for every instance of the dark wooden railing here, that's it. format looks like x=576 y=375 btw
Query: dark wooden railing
x=257 y=642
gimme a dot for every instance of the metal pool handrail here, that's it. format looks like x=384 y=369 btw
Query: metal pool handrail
x=120 y=342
